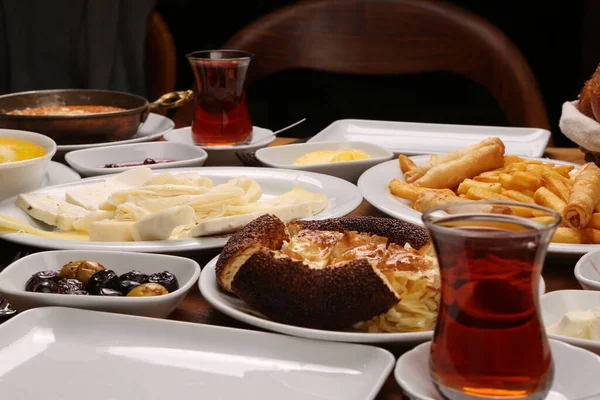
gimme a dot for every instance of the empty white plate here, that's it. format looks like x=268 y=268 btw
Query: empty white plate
x=576 y=373
x=411 y=138
x=224 y=155
x=67 y=354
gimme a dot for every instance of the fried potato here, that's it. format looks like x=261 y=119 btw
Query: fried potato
x=568 y=235
x=467 y=184
x=546 y=198
x=521 y=181
x=556 y=186
x=406 y=164
x=519 y=196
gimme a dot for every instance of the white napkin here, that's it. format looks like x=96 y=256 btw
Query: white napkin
x=578 y=127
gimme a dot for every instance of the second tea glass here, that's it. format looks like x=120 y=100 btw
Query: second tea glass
x=489 y=341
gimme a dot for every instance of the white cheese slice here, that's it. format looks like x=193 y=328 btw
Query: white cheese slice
x=160 y=225
x=574 y=324
x=93 y=195
x=84 y=224
x=50 y=209
x=216 y=226
x=111 y=231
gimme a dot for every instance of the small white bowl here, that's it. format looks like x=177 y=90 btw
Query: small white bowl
x=284 y=157
x=588 y=274
x=14 y=277
x=27 y=175
x=554 y=305
x=90 y=162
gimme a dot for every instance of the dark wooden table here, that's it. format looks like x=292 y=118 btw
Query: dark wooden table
x=558 y=274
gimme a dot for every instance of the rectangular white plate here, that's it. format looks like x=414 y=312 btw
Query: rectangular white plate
x=60 y=353
x=416 y=138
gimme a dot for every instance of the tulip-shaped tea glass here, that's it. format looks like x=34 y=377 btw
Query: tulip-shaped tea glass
x=489 y=341
x=221 y=116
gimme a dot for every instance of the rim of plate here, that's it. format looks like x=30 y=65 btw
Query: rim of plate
x=160 y=119
x=210 y=291
x=266 y=138
x=191 y=244
x=392 y=207
x=406 y=385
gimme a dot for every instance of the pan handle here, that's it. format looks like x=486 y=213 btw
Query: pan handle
x=172 y=100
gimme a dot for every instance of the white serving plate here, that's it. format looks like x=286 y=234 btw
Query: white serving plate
x=575 y=373
x=284 y=157
x=224 y=155
x=343 y=197
x=237 y=309
x=58 y=173
x=411 y=138
x=587 y=270
x=64 y=354
x=555 y=305
x=15 y=276
x=373 y=184
x=91 y=162
x=153 y=128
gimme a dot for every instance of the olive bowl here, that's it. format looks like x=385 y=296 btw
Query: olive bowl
x=15 y=276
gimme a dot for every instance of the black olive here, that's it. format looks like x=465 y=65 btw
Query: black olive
x=165 y=278
x=71 y=286
x=39 y=277
x=111 y=166
x=135 y=276
x=104 y=279
x=128 y=286
x=149 y=161
x=47 y=287
x=108 y=292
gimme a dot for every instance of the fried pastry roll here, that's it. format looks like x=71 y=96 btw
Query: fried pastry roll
x=418 y=172
x=583 y=198
x=452 y=173
x=433 y=198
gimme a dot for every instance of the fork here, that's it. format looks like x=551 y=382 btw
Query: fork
x=5 y=308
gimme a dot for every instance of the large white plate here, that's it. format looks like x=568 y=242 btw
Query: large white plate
x=153 y=128
x=575 y=373
x=343 y=197
x=239 y=310
x=412 y=138
x=59 y=353
x=374 y=186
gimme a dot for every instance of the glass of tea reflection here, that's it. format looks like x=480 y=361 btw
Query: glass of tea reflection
x=221 y=116
x=489 y=340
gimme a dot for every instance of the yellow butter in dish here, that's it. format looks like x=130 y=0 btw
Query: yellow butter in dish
x=328 y=156
x=12 y=150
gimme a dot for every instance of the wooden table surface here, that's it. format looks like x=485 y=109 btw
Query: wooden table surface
x=558 y=274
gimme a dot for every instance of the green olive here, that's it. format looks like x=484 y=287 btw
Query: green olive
x=86 y=269
x=148 y=289
x=69 y=270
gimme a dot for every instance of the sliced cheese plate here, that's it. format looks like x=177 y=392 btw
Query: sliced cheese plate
x=411 y=138
x=343 y=197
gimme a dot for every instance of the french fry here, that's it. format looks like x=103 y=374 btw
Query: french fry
x=467 y=184
x=568 y=235
x=518 y=196
x=521 y=181
x=564 y=170
x=591 y=236
x=534 y=162
x=534 y=167
x=476 y=193
x=567 y=181
x=556 y=186
x=516 y=167
x=487 y=179
x=594 y=221
x=528 y=193
x=512 y=159
x=546 y=198
x=403 y=190
x=546 y=220
x=406 y=164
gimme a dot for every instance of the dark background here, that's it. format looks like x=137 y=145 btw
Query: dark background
x=556 y=37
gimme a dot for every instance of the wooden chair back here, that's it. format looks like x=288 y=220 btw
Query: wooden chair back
x=387 y=37
x=160 y=58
